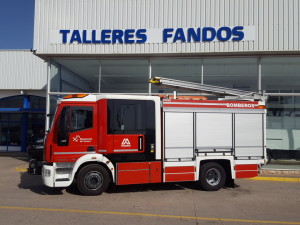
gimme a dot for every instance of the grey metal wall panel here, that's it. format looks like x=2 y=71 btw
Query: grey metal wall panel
x=276 y=23
x=21 y=69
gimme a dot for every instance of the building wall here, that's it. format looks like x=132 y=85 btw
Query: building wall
x=276 y=24
x=21 y=70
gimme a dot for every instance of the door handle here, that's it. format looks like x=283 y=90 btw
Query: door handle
x=141 y=140
x=91 y=149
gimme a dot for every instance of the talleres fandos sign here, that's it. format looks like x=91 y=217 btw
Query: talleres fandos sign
x=154 y=35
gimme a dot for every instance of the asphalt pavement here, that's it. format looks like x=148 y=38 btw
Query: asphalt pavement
x=25 y=200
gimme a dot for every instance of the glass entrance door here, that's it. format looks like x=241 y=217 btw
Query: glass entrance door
x=11 y=132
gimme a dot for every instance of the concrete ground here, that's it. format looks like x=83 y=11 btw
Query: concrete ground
x=25 y=200
x=282 y=168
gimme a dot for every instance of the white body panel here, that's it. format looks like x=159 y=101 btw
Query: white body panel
x=217 y=133
x=249 y=135
x=179 y=135
x=213 y=131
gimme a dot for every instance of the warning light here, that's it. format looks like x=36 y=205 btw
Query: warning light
x=75 y=96
x=262 y=107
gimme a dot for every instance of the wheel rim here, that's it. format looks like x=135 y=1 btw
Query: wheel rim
x=93 y=180
x=213 y=177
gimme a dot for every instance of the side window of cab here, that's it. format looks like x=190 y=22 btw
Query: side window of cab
x=73 y=119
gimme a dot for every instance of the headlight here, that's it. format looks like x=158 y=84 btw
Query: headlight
x=47 y=173
x=32 y=164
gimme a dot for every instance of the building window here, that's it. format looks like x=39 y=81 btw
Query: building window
x=281 y=74
x=76 y=76
x=179 y=69
x=22 y=119
x=124 y=76
x=283 y=123
x=238 y=73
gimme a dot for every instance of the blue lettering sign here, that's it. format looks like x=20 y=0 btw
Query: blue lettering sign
x=75 y=37
x=129 y=35
x=141 y=35
x=105 y=36
x=238 y=33
x=208 y=34
x=166 y=34
x=64 y=37
x=179 y=35
x=193 y=36
x=84 y=39
x=117 y=35
x=94 y=39
x=223 y=30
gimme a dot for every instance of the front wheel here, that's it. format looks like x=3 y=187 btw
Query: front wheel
x=212 y=177
x=92 y=180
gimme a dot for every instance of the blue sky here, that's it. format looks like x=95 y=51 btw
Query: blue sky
x=16 y=24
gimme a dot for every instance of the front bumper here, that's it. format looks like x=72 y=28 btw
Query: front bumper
x=48 y=175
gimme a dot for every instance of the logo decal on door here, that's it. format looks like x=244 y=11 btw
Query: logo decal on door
x=125 y=143
x=77 y=138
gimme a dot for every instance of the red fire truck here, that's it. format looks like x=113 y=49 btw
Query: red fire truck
x=99 y=139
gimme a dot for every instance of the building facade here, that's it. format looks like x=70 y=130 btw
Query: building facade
x=22 y=98
x=115 y=46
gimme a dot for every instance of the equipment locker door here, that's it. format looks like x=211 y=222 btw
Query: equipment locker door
x=249 y=135
x=214 y=132
x=179 y=163
x=179 y=135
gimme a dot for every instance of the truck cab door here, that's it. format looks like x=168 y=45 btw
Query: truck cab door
x=131 y=125
x=75 y=133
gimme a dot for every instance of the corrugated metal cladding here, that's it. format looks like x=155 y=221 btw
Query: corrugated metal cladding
x=21 y=69
x=277 y=23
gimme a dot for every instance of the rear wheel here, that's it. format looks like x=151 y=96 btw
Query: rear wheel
x=212 y=176
x=92 y=180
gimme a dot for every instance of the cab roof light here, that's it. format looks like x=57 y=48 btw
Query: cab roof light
x=75 y=96
x=262 y=107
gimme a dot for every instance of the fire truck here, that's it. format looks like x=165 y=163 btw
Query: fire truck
x=100 y=139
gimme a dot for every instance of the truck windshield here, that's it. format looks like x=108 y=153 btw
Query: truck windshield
x=52 y=120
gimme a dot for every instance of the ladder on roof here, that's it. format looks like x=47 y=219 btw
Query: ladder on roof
x=204 y=88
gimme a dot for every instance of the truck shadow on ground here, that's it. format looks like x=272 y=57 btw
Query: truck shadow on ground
x=34 y=183
x=159 y=187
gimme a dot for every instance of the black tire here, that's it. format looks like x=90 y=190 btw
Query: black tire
x=92 y=180
x=269 y=158
x=212 y=177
